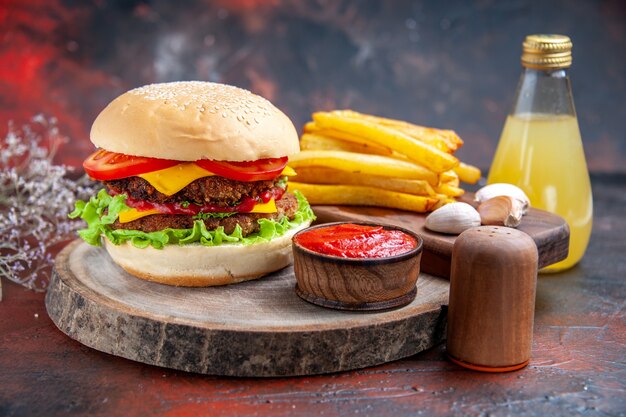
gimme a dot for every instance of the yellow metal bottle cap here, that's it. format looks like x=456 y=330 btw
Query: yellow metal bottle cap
x=547 y=52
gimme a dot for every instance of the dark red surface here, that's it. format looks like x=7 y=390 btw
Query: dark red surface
x=446 y=64
x=578 y=364
x=451 y=64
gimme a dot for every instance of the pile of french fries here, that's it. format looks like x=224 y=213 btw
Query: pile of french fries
x=358 y=159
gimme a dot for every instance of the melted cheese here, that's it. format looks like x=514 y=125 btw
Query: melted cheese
x=288 y=172
x=171 y=180
x=269 y=207
x=134 y=214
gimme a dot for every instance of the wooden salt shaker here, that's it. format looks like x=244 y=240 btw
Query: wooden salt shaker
x=492 y=299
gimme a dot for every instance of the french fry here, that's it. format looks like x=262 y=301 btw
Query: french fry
x=310 y=127
x=443 y=200
x=370 y=147
x=425 y=154
x=467 y=173
x=346 y=136
x=321 y=175
x=450 y=178
x=358 y=163
x=316 y=141
x=449 y=190
x=426 y=137
x=363 y=196
x=443 y=139
x=361 y=159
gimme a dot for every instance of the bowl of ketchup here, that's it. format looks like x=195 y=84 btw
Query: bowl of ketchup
x=357 y=266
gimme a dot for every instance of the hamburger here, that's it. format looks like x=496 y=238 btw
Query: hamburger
x=194 y=179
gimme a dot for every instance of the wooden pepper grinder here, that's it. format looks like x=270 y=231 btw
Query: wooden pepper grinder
x=491 y=311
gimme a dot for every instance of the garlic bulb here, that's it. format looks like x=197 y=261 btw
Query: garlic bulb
x=502 y=189
x=501 y=211
x=453 y=218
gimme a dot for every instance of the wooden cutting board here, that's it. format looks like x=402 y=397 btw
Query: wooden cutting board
x=261 y=328
x=256 y=328
x=549 y=231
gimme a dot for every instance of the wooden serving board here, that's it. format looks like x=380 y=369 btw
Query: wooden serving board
x=256 y=328
x=549 y=231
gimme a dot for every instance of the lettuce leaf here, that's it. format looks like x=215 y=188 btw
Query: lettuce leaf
x=103 y=209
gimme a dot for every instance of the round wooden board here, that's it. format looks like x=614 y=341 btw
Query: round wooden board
x=256 y=328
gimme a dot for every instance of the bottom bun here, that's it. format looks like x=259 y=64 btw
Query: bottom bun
x=202 y=266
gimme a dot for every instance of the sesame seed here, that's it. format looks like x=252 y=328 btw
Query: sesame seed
x=204 y=95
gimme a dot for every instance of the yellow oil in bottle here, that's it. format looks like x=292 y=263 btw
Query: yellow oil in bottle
x=543 y=155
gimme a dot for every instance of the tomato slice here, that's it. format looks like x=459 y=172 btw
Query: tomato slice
x=262 y=169
x=104 y=165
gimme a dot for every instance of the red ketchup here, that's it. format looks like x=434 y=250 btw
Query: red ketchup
x=356 y=241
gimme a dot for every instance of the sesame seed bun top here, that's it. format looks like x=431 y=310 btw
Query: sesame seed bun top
x=193 y=120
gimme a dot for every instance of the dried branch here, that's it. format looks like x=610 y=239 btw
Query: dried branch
x=35 y=198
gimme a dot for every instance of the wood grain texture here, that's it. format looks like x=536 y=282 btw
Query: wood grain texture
x=492 y=298
x=355 y=283
x=257 y=328
x=355 y=286
x=549 y=231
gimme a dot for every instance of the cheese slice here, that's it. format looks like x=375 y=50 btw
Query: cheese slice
x=134 y=214
x=171 y=180
x=269 y=207
x=288 y=172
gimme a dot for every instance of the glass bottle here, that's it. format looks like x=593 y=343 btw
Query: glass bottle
x=540 y=149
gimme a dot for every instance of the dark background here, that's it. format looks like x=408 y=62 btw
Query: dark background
x=452 y=64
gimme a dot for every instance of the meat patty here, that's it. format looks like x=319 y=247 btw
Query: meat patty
x=207 y=190
x=286 y=206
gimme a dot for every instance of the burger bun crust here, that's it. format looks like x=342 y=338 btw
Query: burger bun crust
x=196 y=265
x=192 y=120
